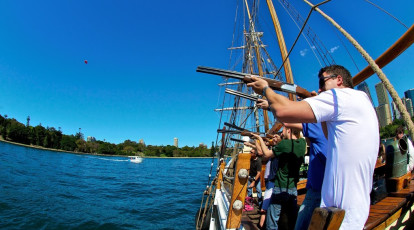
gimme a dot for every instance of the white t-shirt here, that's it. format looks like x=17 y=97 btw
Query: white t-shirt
x=352 y=149
x=410 y=152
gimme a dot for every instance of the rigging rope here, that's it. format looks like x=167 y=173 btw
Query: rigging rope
x=300 y=32
x=387 y=13
x=317 y=44
x=346 y=49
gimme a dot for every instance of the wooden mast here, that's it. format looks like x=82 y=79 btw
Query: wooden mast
x=282 y=46
x=375 y=68
x=259 y=66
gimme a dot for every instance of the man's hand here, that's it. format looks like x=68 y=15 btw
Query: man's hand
x=277 y=138
x=252 y=184
x=262 y=103
x=258 y=85
x=250 y=145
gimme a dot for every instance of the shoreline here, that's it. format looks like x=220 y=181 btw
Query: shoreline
x=93 y=154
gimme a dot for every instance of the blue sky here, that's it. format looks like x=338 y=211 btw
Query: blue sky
x=140 y=80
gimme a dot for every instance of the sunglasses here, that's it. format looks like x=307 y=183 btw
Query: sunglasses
x=322 y=80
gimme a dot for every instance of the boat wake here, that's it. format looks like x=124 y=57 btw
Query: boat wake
x=107 y=159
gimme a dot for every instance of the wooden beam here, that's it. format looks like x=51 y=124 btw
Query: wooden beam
x=220 y=176
x=405 y=41
x=239 y=192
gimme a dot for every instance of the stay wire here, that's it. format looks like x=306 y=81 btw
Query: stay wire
x=387 y=13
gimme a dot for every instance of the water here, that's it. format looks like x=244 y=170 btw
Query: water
x=50 y=190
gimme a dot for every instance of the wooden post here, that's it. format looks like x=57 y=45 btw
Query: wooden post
x=220 y=176
x=239 y=191
x=329 y=218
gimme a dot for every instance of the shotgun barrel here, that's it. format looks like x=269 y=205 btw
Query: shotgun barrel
x=246 y=78
x=243 y=95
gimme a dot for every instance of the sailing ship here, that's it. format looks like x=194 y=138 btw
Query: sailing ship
x=223 y=200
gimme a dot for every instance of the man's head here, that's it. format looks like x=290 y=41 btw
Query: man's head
x=399 y=132
x=334 y=76
x=290 y=133
x=252 y=153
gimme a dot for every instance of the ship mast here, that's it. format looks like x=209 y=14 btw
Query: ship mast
x=282 y=46
x=254 y=36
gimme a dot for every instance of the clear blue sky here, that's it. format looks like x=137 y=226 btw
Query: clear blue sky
x=140 y=80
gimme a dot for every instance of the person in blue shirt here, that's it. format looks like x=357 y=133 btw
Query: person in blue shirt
x=316 y=170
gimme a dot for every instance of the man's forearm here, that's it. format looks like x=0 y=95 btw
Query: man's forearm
x=257 y=176
x=289 y=111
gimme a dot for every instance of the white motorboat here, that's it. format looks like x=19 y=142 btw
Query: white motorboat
x=135 y=159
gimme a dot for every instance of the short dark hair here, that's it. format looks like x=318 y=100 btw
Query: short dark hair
x=399 y=130
x=295 y=132
x=338 y=70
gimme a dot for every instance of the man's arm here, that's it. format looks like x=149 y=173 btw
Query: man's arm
x=294 y=126
x=282 y=108
x=266 y=151
x=253 y=184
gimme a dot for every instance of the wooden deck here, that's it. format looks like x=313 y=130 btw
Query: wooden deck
x=393 y=212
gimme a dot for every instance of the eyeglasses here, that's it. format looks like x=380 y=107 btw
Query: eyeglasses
x=322 y=80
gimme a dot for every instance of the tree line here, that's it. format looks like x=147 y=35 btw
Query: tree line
x=50 y=137
x=389 y=130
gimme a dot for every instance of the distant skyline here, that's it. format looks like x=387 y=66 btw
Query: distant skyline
x=139 y=81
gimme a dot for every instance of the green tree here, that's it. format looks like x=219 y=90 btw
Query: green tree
x=68 y=142
x=17 y=132
x=107 y=148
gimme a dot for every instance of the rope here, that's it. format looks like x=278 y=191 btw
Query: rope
x=347 y=51
x=376 y=68
x=320 y=48
x=387 y=13
x=296 y=40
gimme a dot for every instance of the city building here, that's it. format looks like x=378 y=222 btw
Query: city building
x=382 y=94
x=176 y=142
x=409 y=105
x=384 y=115
x=383 y=110
x=395 y=113
x=407 y=102
x=141 y=141
x=90 y=139
x=364 y=87
x=410 y=94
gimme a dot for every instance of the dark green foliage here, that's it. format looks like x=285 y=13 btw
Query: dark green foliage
x=12 y=130
x=17 y=132
x=389 y=130
x=107 y=148
x=68 y=143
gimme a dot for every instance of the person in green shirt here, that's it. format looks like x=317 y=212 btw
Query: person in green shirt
x=290 y=153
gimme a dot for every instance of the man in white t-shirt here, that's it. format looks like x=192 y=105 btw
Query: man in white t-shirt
x=351 y=127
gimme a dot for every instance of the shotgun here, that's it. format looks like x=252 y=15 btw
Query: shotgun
x=246 y=78
x=243 y=95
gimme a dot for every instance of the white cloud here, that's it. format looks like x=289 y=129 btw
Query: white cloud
x=333 y=49
x=303 y=52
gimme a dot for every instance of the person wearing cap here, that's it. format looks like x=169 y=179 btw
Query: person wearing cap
x=351 y=126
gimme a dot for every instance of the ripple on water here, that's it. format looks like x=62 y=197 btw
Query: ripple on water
x=47 y=190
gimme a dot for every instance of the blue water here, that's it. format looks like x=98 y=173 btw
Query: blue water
x=50 y=190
